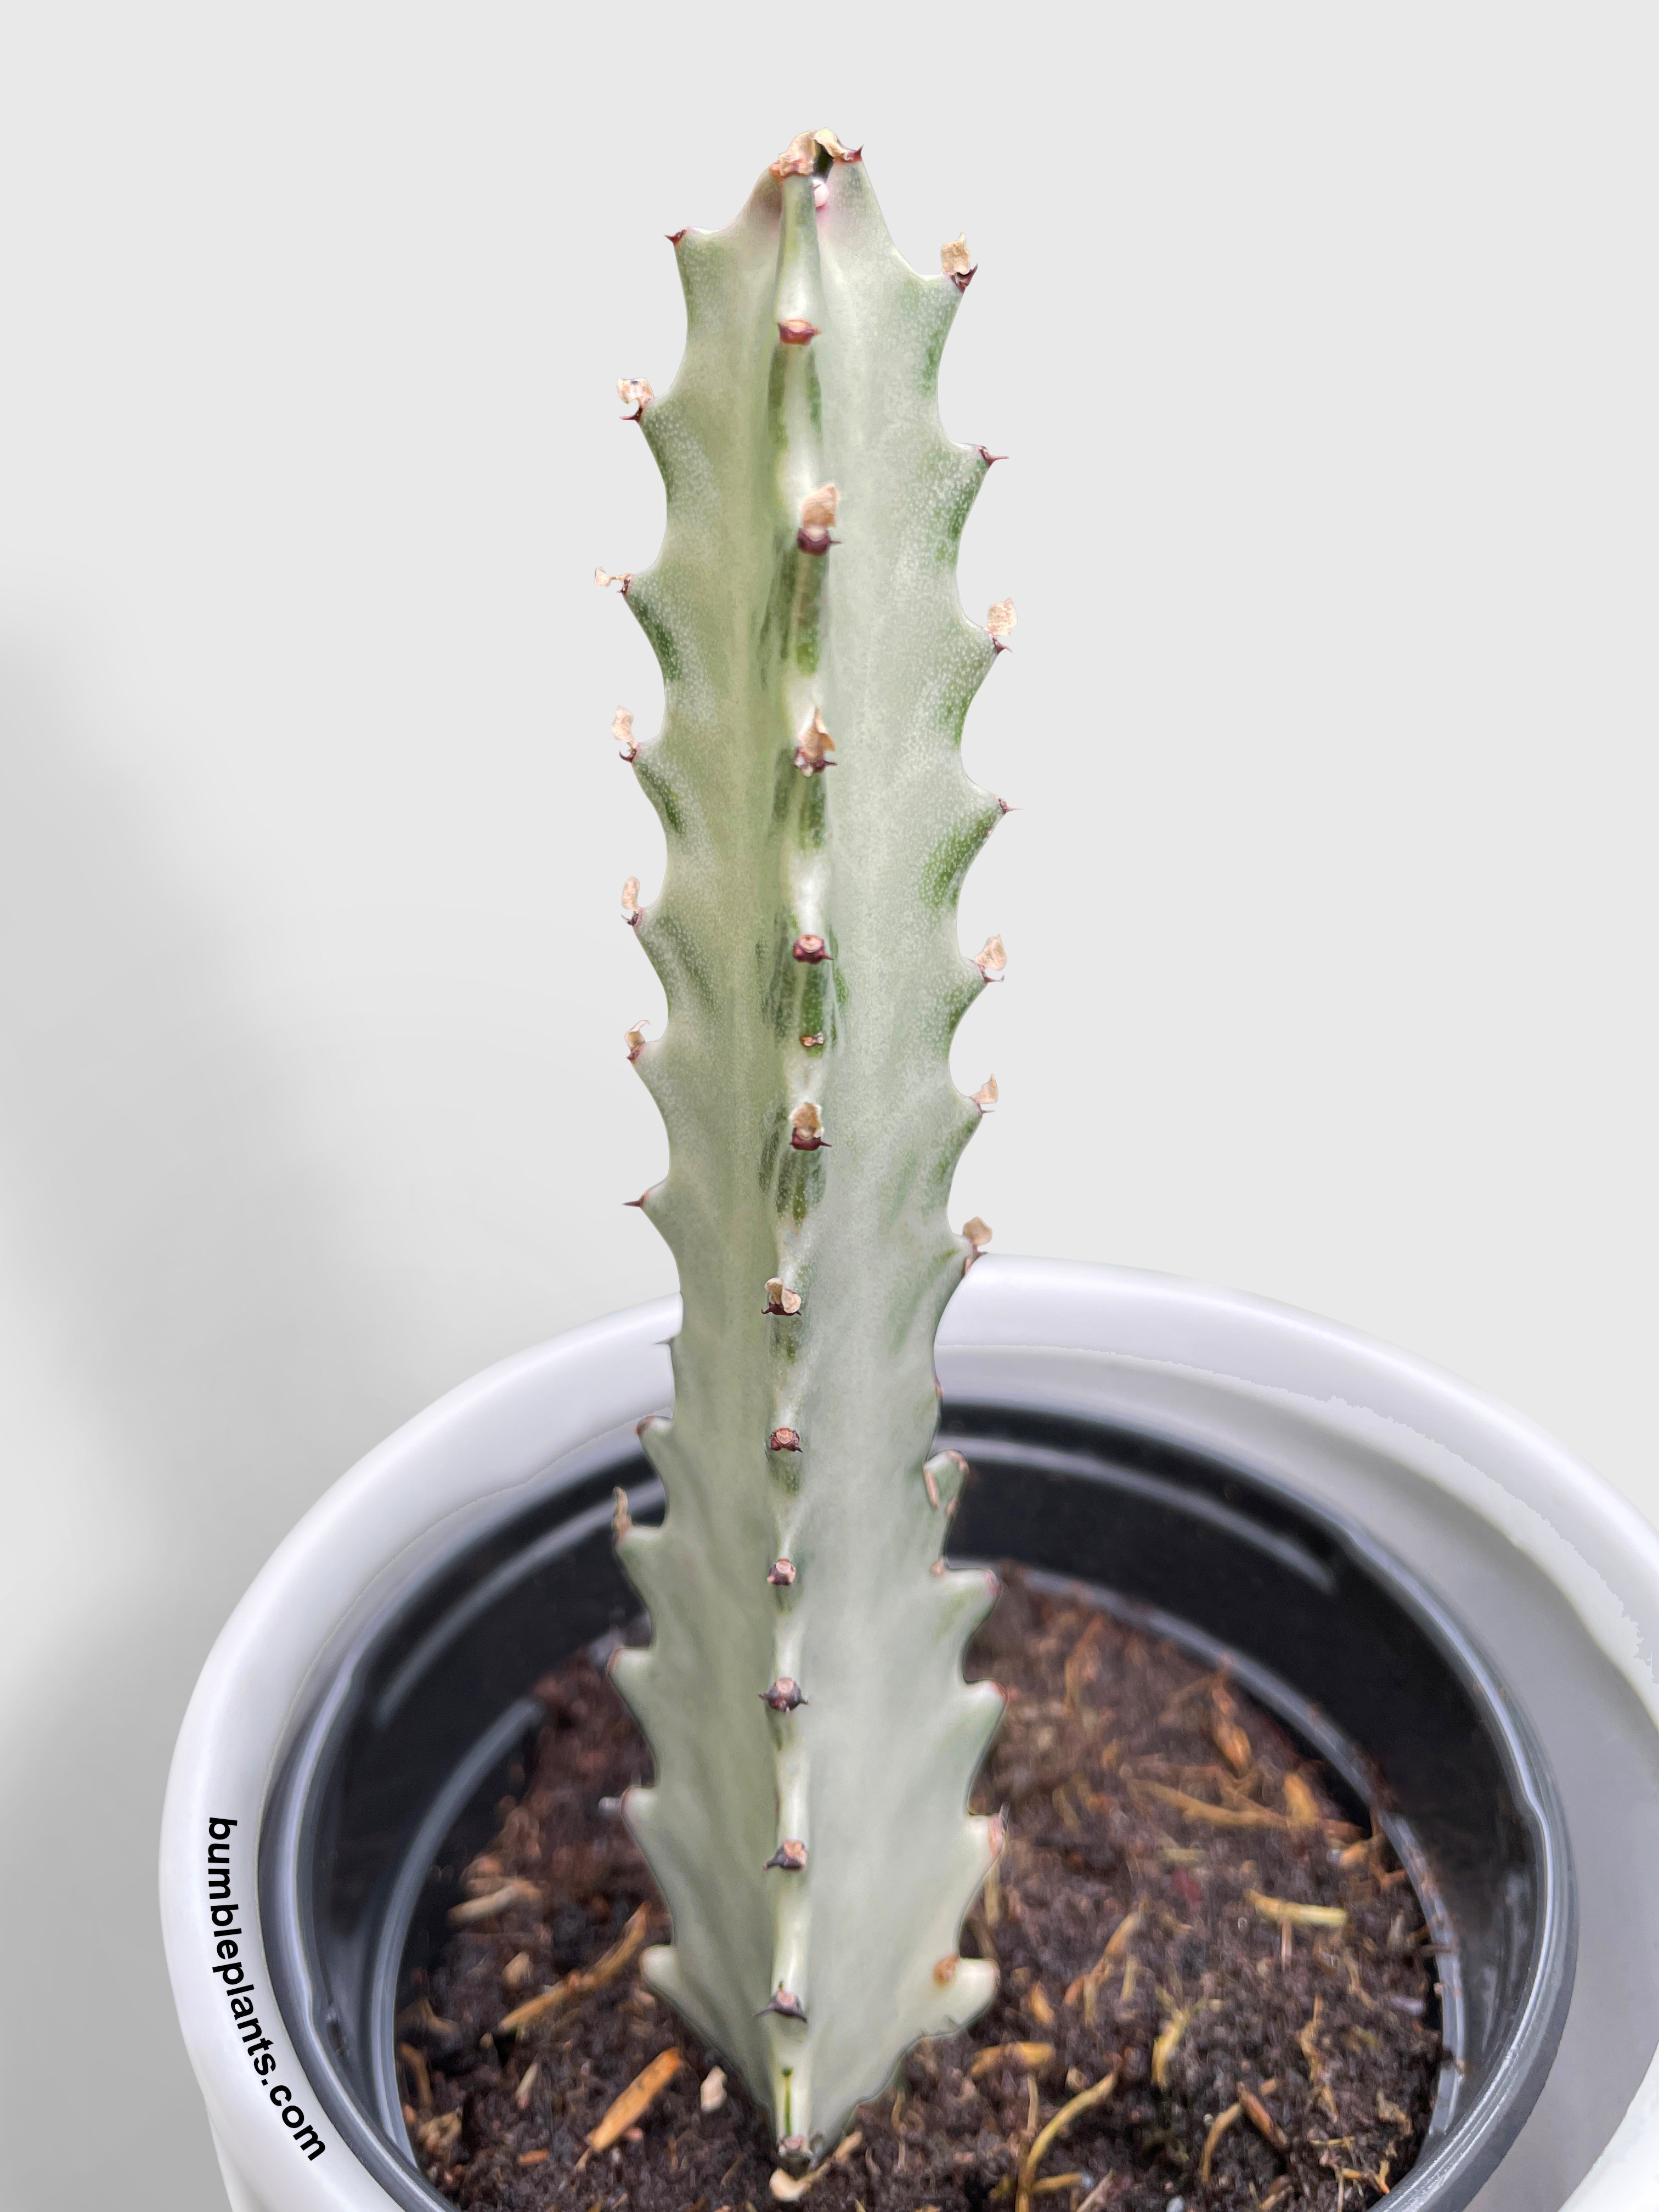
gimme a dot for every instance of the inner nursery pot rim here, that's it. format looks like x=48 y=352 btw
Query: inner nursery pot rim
x=495 y=1436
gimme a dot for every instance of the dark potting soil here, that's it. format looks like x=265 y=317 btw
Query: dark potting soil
x=1181 y=1911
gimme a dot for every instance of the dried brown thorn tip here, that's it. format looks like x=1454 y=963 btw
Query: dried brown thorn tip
x=674 y=236
x=622 y=729
x=782 y=1573
x=807 y=1129
x=811 y=949
x=603 y=579
x=795 y=330
x=631 y=908
x=814 y=746
x=784 y=1440
x=790 y=1856
x=987 y=457
x=999 y=619
x=945 y=1971
x=781 y=1299
x=814 y=1043
x=784 y=1695
x=956 y=262
x=635 y=1039
x=633 y=391
x=787 y=2006
x=986 y=1096
x=992 y=959
x=978 y=1234
x=818 y=516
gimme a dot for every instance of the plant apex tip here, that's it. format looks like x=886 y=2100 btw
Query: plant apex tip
x=991 y=959
x=986 y=1096
x=633 y=391
x=631 y=908
x=800 y=158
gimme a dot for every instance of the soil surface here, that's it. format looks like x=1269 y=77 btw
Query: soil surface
x=1180 y=1909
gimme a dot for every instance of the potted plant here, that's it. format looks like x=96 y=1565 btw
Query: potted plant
x=1217 y=1478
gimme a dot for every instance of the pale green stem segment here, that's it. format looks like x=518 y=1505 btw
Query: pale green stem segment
x=755 y=634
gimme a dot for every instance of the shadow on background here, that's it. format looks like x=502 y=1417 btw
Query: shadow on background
x=173 y=1267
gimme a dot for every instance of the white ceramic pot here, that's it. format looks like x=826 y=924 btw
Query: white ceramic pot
x=1548 y=1569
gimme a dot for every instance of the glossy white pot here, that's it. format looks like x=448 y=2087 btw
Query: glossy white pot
x=1546 y=1567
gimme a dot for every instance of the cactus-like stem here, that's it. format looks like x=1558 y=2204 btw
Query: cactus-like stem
x=813 y=1738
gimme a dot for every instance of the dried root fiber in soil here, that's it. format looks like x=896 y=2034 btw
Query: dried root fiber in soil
x=1181 y=1913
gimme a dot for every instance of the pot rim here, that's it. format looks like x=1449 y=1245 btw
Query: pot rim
x=518 y=1417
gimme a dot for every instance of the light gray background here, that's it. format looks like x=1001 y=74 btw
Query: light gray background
x=1324 y=343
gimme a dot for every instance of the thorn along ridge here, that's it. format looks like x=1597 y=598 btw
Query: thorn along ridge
x=818 y=516
x=781 y=1299
x=635 y=1039
x=790 y=1856
x=787 y=2006
x=999 y=619
x=785 y=1695
x=784 y=1440
x=986 y=1096
x=811 y=949
x=633 y=391
x=814 y=1043
x=631 y=908
x=992 y=959
x=807 y=1129
x=989 y=457
x=956 y=262
x=814 y=746
x=622 y=729
x=603 y=579
x=782 y=1573
x=795 y=330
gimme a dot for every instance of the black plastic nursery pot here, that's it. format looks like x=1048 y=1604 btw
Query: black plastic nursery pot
x=420 y=1718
